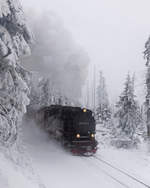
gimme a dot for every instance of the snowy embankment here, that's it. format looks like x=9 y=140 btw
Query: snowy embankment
x=17 y=172
x=58 y=168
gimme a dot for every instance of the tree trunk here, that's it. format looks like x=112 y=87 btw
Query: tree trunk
x=148 y=123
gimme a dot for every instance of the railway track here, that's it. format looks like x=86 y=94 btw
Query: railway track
x=122 y=171
x=120 y=176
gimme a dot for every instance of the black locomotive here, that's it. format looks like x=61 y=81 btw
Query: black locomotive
x=73 y=126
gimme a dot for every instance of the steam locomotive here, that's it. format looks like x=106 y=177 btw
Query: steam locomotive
x=73 y=126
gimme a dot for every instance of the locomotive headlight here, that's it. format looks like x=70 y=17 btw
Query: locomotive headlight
x=78 y=135
x=84 y=110
x=92 y=135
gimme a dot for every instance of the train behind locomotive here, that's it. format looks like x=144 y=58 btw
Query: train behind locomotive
x=73 y=126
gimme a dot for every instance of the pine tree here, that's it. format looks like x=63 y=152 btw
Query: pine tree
x=103 y=108
x=128 y=111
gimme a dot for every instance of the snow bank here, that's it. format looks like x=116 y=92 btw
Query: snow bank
x=13 y=175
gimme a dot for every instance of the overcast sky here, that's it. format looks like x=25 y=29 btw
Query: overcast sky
x=113 y=32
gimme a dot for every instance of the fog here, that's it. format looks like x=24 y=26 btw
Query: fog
x=113 y=32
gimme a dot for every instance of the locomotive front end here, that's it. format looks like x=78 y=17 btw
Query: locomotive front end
x=84 y=141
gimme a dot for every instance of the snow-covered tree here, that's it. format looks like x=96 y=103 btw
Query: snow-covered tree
x=128 y=111
x=147 y=102
x=14 y=43
x=103 y=107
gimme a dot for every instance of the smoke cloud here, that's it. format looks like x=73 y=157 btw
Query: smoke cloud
x=56 y=55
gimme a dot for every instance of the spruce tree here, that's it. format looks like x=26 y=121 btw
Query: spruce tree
x=103 y=108
x=128 y=111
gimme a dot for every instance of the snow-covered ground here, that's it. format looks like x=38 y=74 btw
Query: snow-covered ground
x=59 y=169
x=134 y=162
